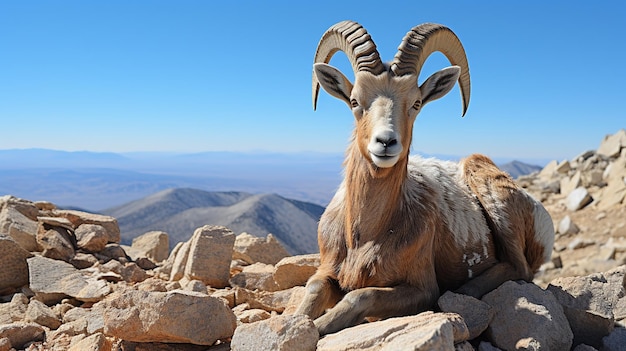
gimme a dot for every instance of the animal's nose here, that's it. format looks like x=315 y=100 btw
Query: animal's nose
x=387 y=141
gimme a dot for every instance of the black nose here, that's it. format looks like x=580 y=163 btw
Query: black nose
x=387 y=142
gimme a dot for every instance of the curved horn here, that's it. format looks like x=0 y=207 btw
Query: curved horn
x=423 y=40
x=351 y=38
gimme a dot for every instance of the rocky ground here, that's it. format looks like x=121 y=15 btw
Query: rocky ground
x=67 y=284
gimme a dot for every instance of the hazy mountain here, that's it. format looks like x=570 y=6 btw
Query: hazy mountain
x=517 y=168
x=180 y=211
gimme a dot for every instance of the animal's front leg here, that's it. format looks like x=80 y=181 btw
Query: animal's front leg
x=375 y=302
x=322 y=292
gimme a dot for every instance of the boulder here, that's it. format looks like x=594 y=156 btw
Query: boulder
x=425 y=331
x=527 y=315
x=295 y=270
x=91 y=237
x=56 y=242
x=578 y=199
x=153 y=245
x=259 y=276
x=48 y=276
x=252 y=249
x=210 y=253
x=15 y=310
x=20 y=333
x=41 y=314
x=296 y=332
x=14 y=272
x=613 y=144
x=567 y=226
x=19 y=227
x=94 y=342
x=476 y=314
x=143 y=316
x=79 y=217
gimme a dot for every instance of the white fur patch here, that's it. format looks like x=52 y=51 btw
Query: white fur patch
x=544 y=229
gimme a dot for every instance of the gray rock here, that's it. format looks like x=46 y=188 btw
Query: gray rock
x=567 y=226
x=578 y=198
x=295 y=332
x=526 y=314
x=476 y=314
x=616 y=341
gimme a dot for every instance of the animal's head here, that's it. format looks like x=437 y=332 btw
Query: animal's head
x=385 y=99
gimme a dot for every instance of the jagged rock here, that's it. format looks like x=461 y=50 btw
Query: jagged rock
x=228 y=295
x=568 y=184
x=613 y=144
x=269 y=301
x=143 y=316
x=567 y=226
x=132 y=273
x=296 y=332
x=295 y=270
x=83 y=260
x=19 y=227
x=113 y=251
x=256 y=276
x=153 y=245
x=41 y=314
x=549 y=170
x=578 y=199
x=210 y=252
x=91 y=237
x=56 y=243
x=588 y=304
x=425 y=331
x=252 y=249
x=79 y=217
x=15 y=310
x=14 y=272
x=251 y=315
x=612 y=195
x=563 y=167
x=48 y=276
x=179 y=257
x=94 y=342
x=476 y=314
x=524 y=311
x=20 y=333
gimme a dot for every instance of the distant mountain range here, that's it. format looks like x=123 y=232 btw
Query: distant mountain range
x=95 y=180
x=180 y=211
x=517 y=168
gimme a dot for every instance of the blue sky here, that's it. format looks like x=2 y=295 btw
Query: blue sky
x=187 y=76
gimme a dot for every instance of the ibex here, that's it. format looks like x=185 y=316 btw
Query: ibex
x=399 y=230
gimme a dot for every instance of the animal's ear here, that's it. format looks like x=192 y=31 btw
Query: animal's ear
x=333 y=81
x=439 y=84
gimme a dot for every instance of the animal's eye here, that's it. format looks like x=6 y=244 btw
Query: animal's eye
x=354 y=103
x=417 y=104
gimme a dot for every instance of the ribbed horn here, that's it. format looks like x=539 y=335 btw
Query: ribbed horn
x=423 y=40
x=351 y=38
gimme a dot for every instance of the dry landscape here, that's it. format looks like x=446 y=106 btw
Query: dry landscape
x=68 y=284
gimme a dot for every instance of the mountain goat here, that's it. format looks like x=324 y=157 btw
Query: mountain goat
x=399 y=230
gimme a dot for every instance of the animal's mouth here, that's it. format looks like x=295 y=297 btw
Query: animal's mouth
x=384 y=160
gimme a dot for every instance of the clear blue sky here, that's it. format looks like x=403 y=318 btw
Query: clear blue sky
x=547 y=76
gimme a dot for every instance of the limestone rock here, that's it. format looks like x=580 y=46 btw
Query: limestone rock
x=56 y=243
x=143 y=316
x=569 y=184
x=296 y=332
x=19 y=227
x=179 y=257
x=79 y=217
x=91 y=237
x=612 y=144
x=567 y=226
x=210 y=252
x=295 y=270
x=14 y=272
x=41 y=314
x=252 y=249
x=153 y=245
x=20 y=333
x=50 y=276
x=476 y=314
x=425 y=331
x=588 y=304
x=526 y=313
x=256 y=276
x=578 y=199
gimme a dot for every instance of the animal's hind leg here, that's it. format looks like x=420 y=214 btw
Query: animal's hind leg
x=490 y=279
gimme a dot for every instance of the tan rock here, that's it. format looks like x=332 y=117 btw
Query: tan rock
x=525 y=311
x=20 y=333
x=79 y=217
x=295 y=332
x=425 y=331
x=210 y=252
x=578 y=199
x=20 y=227
x=295 y=270
x=613 y=144
x=252 y=249
x=269 y=301
x=14 y=272
x=15 y=310
x=55 y=242
x=41 y=314
x=256 y=276
x=91 y=237
x=568 y=184
x=154 y=245
x=612 y=195
x=156 y=317
x=179 y=257
x=95 y=342
x=252 y=315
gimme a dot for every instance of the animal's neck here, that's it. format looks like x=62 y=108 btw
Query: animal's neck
x=372 y=197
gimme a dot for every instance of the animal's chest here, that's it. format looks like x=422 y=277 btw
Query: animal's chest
x=369 y=265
